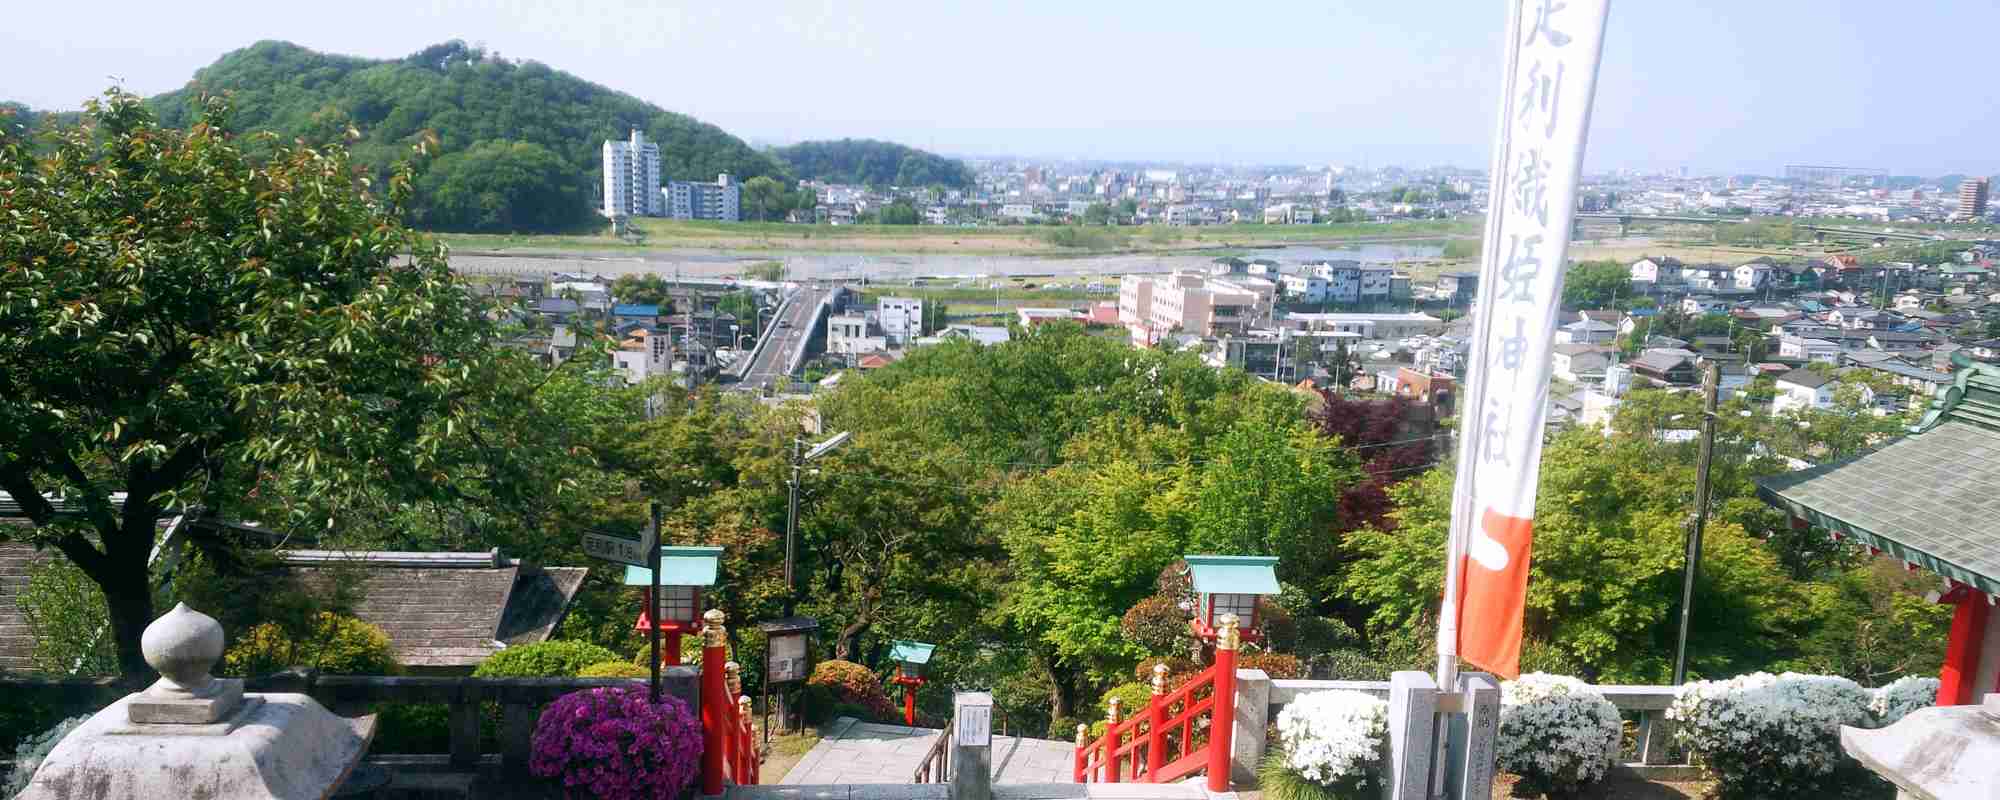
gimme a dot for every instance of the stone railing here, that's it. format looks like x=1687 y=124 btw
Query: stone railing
x=1652 y=755
x=520 y=701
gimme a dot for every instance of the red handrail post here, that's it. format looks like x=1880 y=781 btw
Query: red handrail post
x=733 y=744
x=746 y=743
x=1156 y=725
x=715 y=705
x=1111 y=743
x=1222 y=720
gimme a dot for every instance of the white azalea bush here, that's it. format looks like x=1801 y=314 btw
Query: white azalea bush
x=1557 y=733
x=1330 y=745
x=1902 y=696
x=1765 y=735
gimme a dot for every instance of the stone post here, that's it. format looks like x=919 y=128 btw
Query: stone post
x=1475 y=735
x=971 y=746
x=1413 y=699
x=1253 y=715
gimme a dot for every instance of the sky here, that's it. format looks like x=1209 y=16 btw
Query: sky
x=1718 y=86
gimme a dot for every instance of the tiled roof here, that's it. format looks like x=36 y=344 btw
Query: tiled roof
x=455 y=615
x=17 y=562
x=1805 y=377
x=1928 y=498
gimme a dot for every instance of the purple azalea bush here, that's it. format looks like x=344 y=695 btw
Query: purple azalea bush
x=613 y=743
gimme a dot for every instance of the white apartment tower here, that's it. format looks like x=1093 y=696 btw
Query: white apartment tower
x=632 y=178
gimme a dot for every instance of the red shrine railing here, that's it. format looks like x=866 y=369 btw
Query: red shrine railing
x=729 y=741
x=1177 y=734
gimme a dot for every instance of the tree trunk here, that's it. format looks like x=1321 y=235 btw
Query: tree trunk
x=1062 y=695
x=129 y=603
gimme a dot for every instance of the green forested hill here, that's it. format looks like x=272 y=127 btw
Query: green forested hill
x=875 y=163
x=520 y=142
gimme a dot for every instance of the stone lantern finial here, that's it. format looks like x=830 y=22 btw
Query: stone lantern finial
x=184 y=644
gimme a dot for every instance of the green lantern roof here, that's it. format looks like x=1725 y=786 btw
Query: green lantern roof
x=1234 y=574
x=908 y=652
x=680 y=566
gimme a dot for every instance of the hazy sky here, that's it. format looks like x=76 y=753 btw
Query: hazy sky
x=1716 y=85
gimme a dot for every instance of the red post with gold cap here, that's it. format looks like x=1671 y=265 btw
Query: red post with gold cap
x=1110 y=743
x=1156 y=725
x=715 y=702
x=1223 y=722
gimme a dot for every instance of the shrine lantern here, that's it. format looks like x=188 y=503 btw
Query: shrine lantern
x=1230 y=585
x=911 y=658
x=684 y=573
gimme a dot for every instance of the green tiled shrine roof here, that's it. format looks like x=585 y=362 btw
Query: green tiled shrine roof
x=1931 y=499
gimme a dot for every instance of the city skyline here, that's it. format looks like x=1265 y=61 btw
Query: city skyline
x=1719 y=88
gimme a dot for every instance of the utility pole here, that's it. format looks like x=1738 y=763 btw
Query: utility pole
x=1709 y=379
x=792 y=524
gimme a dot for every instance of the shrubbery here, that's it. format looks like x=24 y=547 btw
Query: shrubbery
x=557 y=659
x=1557 y=733
x=1281 y=666
x=1902 y=696
x=1330 y=744
x=613 y=743
x=1765 y=735
x=843 y=687
x=1133 y=700
x=29 y=753
x=337 y=644
x=1157 y=624
x=614 y=669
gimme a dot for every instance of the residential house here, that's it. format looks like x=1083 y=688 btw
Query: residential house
x=1865 y=319
x=1378 y=283
x=1343 y=280
x=1709 y=277
x=1630 y=321
x=854 y=334
x=1304 y=288
x=1657 y=271
x=1586 y=331
x=1665 y=368
x=1580 y=363
x=901 y=318
x=1804 y=388
x=1754 y=275
x=644 y=314
x=1924 y=382
x=1703 y=305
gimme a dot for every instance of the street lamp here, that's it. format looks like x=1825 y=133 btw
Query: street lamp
x=800 y=456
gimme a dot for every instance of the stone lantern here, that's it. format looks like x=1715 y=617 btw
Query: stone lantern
x=1225 y=585
x=684 y=573
x=911 y=658
x=191 y=734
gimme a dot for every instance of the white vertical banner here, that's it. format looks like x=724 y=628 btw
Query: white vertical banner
x=1552 y=53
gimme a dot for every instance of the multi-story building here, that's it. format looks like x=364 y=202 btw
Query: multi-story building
x=1377 y=283
x=721 y=201
x=1458 y=288
x=1369 y=326
x=854 y=334
x=1972 y=198
x=1343 y=280
x=902 y=318
x=1151 y=307
x=632 y=178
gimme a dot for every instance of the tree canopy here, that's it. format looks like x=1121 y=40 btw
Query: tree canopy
x=541 y=129
x=874 y=163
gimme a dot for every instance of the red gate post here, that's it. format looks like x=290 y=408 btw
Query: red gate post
x=909 y=705
x=1156 y=725
x=1111 y=743
x=714 y=697
x=1222 y=721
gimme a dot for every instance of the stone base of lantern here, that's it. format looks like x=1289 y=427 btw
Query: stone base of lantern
x=221 y=698
x=274 y=746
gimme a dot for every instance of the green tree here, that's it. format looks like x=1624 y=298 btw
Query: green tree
x=177 y=319
x=764 y=195
x=1595 y=284
x=1097 y=214
x=900 y=213
x=502 y=187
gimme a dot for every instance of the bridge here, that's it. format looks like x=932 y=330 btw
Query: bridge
x=781 y=347
x=1820 y=232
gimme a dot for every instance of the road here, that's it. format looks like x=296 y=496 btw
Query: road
x=795 y=326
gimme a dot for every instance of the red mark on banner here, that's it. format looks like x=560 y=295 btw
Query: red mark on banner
x=1490 y=613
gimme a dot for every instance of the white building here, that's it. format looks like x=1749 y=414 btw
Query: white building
x=1795 y=347
x=1288 y=214
x=721 y=201
x=1586 y=331
x=1378 y=282
x=1371 y=326
x=902 y=318
x=654 y=359
x=1020 y=211
x=632 y=178
x=1804 y=388
x=854 y=334
x=1753 y=275
x=1153 y=306
x=1307 y=288
x=1656 y=271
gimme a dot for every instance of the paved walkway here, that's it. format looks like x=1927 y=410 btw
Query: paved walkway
x=851 y=751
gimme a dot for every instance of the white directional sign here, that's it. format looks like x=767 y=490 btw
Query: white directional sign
x=633 y=550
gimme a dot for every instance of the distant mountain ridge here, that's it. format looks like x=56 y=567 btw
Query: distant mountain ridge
x=875 y=163
x=519 y=142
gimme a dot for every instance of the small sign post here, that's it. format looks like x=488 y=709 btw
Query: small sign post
x=623 y=549
x=787 y=659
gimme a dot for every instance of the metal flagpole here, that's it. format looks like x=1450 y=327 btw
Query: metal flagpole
x=1708 y=390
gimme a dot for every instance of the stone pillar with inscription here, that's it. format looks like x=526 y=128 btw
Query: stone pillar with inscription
x=971 y=746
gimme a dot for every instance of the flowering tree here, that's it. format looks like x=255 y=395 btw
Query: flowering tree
x=1330 y=740
x=612 y=743
x=1765 y=735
